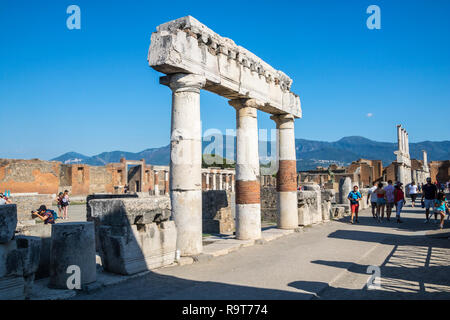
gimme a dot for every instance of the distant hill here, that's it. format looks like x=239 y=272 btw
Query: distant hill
x=310 y=153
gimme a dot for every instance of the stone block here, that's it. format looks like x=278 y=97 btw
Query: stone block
x=12 y=288
x=135 y=248
x=8 y=222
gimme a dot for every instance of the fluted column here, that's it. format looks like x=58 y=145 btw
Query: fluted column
x=248 y=206
x=185 y=160
x=287 y=172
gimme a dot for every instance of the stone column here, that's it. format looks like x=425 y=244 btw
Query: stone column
x=399 y=138
x=407 y=144
x=287 y=172
x=156 y=183
x=185 y=160
x=248 y=205
x=232 y=182
x=220 y=181
x=214 y=183
x=166 y=182
x=207 y=181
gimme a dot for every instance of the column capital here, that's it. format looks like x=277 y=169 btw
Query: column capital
x=284 y=121
x=182 y=82
x=245 y=103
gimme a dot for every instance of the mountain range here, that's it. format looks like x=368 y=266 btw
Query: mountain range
x=310 y=153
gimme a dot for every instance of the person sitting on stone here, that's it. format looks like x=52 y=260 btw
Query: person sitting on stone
x=46 y=215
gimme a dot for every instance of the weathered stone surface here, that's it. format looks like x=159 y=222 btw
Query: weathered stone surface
x=187 y=46
x=316 y=206
x=345 y=186
x=217 y=216
x=8 y=222
x=12 y=288
x=73 y=243
x=136 y=248
x=44 y=233
x=307 y=202
x=118 y=212
x=26 y=202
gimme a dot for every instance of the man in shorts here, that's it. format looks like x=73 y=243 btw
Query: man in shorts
x=372 y=197
x=429 y=194
x=390 y=199
x=354 y=197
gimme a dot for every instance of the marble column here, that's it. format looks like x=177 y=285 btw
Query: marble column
x=248 y=206
x=207 y=181
x=214 y=182
x=287 y=172
x=399 y=138
x=156 y=183
x=185 y=160
x=220 y=182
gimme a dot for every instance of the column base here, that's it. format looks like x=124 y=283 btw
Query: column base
x=248 y=221
x=287 y=210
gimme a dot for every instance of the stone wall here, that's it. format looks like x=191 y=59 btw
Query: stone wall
x=217 y=214
x=24 y=176
x=269 y=202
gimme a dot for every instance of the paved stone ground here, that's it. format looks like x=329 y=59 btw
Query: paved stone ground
x=77 y=212
x=325 y=261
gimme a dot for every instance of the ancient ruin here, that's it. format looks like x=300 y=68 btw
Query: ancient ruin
x=193 y=57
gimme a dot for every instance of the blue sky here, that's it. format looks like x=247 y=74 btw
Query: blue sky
x=91 y=90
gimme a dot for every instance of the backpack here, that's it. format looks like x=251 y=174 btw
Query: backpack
x=54 y=214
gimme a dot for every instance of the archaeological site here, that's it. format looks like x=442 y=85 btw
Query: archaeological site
x=141 y=229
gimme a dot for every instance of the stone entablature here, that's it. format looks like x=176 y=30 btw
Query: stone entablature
x=185 y=45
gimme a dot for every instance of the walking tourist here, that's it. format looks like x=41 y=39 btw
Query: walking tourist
x=381 y=201
x=429 y=194
x=58 y=203
x=400 y=201
x=390 y=200
x=413 y=190
x=65 y=204
x=441 y=206
x=372 y=197
x=354 y=197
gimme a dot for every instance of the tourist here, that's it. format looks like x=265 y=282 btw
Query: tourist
x=441 y=206
x=429 y=193
x=389 y=199
x=4 y=199
x=399 y=198
x=46 y=215
x=58 y=203
x=373 y=199
x=413 y=190
x=354 y=197
x=65 y=204
x=381 y=201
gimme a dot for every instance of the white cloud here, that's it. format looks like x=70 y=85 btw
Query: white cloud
x=369 y=115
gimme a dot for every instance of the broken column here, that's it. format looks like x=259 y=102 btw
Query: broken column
x=287 y=172
x=248 y=207
x=186 y=160
x=73 y=245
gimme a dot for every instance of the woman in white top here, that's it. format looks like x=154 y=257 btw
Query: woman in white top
x=413 y=193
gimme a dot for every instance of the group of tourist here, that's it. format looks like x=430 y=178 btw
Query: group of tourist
x=384 y=198
x=49 y=216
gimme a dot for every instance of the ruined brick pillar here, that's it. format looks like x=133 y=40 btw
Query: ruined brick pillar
x=186 y=160
x=287 y=172
x=248 y=206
